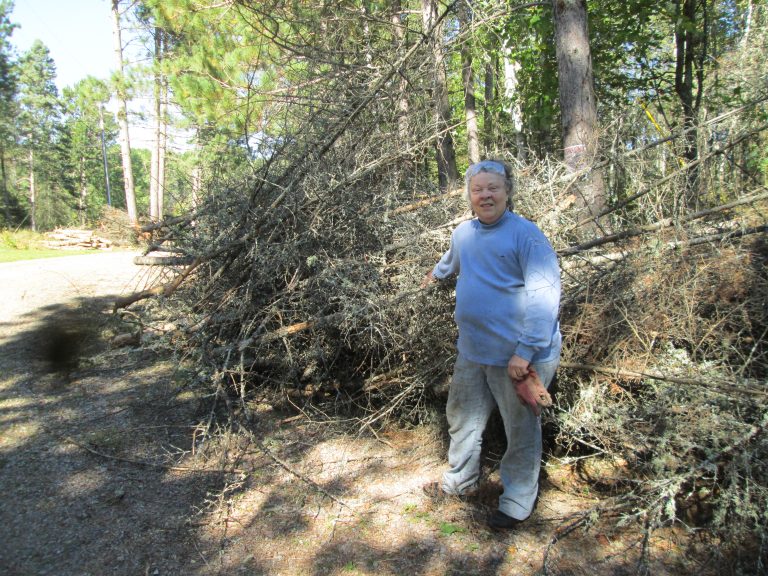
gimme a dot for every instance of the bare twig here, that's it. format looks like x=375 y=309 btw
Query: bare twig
x=720 y=386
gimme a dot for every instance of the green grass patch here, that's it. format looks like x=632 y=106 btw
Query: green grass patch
x=21 y=240
x=449 y=528
x=28 y=245
x=11 y=255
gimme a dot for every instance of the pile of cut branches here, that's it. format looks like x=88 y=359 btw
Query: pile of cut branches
x=304 y=284
x=75 y=239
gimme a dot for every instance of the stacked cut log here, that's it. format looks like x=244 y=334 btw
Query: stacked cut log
x=73 y=239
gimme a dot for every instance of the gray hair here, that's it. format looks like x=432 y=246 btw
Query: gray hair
x=493 y=167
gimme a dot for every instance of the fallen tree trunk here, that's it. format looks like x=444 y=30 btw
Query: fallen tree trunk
x=164 y=260
x=76 y=238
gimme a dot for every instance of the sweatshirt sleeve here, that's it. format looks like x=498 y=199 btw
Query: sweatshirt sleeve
x=449 y=263
x=541 y=273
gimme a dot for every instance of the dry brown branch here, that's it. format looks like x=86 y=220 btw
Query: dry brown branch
x=291 y=470
x=168 y=223
x=722 y=387
x=720 y=237
x=163 y=290
x=666 y=223
x=330 y=319
x=426 y=202
x=163 y=260
x=675 y=174
x=144 y=463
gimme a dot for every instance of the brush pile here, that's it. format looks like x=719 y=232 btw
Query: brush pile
x=304 y=286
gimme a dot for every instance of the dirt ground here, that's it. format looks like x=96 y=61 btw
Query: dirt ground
x=105 y=469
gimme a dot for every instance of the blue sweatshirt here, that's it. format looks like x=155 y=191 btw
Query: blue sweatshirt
x=507 y=293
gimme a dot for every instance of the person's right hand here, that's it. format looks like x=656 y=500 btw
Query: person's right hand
x=517 y=368
x=428 y=279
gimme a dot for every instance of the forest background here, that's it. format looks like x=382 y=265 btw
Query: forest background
x=329 y=139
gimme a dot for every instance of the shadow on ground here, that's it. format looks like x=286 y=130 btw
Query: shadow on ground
x=89 y=436
x=104 y=470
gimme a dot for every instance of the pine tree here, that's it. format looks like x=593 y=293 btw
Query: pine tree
x=7 y=104
x=39 y=115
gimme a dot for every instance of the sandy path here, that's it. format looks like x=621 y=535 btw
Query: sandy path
x=65 y=509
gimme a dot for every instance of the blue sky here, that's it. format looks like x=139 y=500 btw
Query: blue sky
x=78 y=34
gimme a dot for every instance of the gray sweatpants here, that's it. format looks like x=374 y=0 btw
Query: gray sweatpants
x=475 y=390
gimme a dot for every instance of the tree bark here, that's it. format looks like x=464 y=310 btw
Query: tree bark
x=163 y=148
x=122 y=118
x=511 y=68
x=468 y=82
x=448 y=173
x=577 y=103
x=747 y=24
x=161 y=162
x=82 y=200
x=197 y=185
x=490 y=97
x=156 y=162
x=104 y=156
x=4 y=184
x=399 y=38
x=689 y=63
x=32 y=192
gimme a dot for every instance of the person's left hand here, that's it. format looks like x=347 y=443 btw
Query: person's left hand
x=517 y=368
x=532 y=393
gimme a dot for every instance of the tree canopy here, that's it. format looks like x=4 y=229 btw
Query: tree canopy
x=245 y=78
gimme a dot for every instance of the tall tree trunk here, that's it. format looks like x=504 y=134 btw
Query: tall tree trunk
x=104 y=156
x=511 y=68
x=122 y=118
x=399 y=38
x=157 y=168
x=490 y=98
x=448 y=174
x=154 y=167
x=4 y=184
x=32 y=192
x=468 y=81
x=578 y=106
x=163 y=149
x=82 y=203
x=689 y=63
x=197 y=184
x=747 y=24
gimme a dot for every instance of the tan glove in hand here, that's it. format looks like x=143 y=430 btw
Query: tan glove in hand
x=531 y=392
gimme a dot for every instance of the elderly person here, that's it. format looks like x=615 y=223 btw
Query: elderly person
x=507 y=302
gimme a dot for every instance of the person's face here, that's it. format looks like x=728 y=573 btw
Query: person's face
x=488 y=196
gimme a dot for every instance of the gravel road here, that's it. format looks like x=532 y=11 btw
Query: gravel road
x=31 y=284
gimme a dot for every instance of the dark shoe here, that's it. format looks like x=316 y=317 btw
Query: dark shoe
x=500 y=521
